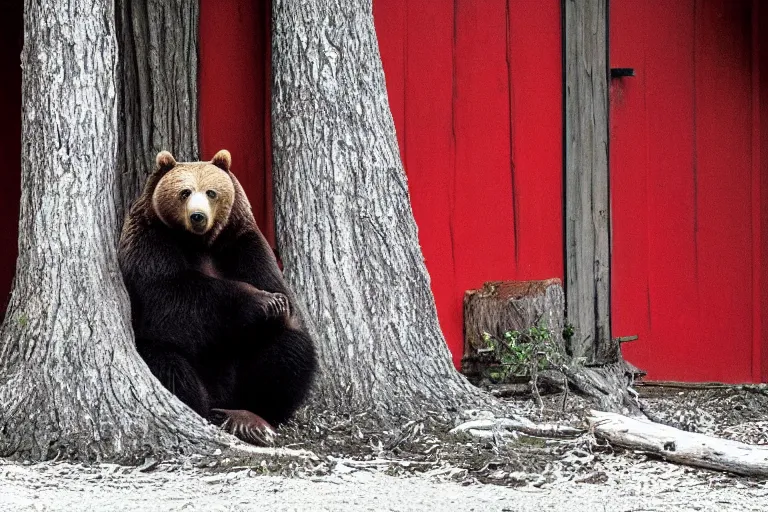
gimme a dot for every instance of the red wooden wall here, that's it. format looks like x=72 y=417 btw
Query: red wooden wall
x=688 y=182
x=476 y=92
x=476 y=95
x=762 y=242
x=234 y=77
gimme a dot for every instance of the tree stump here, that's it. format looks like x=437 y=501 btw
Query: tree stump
x=503 y=306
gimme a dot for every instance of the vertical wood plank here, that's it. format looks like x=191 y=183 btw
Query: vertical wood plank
x=484 y=213
x=757 y=258
x=587 y=229
x=11 y=42
x=390 y=19
x=723 y=173
x=653 y=226
x=483 y=218
x=763 y=14
x=631 y=184
x=234 y=85
x=534 y=54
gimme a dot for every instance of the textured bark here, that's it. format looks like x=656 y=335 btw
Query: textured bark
x=345 y=228
x=608 y=386
x=587 y=228
x=71 y=382
x=587 y=208
x=158 y=87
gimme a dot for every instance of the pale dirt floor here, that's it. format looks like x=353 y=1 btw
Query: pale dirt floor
x=636 y=486
x=419 y=466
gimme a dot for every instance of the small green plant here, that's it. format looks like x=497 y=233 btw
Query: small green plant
x=518 y=353
x=568 y=331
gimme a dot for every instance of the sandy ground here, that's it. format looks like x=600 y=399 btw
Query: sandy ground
x=69 y=487
x=428 y=470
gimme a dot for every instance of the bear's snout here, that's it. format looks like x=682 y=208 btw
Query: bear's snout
x=198 y=218
x=199 y=213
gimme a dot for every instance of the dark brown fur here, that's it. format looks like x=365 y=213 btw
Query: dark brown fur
x=213 y=317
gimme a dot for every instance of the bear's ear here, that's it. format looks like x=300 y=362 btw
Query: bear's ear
x=164 y=161
x=222 y=160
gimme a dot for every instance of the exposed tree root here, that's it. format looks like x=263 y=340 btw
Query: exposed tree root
x=503 y=426
x=608 y=386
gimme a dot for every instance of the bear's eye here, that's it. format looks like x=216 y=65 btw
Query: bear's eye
x=211 y=194
x=185 y=193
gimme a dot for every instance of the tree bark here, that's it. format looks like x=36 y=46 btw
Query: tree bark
x=158 y=87
x=598 y=369
x=607 y=386
x=346 y=232
x=71 y=382
x=587 y=199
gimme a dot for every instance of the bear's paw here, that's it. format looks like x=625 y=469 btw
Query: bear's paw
x=245 y=425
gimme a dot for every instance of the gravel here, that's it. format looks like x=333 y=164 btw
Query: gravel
x=68 y=487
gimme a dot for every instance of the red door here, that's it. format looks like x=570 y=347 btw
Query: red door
x=688 y=187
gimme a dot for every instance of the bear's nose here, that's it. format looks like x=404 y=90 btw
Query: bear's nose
x=197 y=218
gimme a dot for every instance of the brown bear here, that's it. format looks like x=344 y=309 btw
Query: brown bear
x=212 y=315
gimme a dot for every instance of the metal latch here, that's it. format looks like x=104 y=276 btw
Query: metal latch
x=622 y=72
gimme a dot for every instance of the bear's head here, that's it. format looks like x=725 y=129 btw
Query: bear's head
x=194 y=196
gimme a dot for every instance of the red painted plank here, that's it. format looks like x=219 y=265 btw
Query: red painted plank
x=483 y=212
x=535 y=70
x=390 y=23
x=756 y=198
x=664 y=269
x=11 y=40
x=234 y=95
x=763 y=45
x=723 y=138
x=630 y=283
x=484 y=227
x=428 y=149
x=474 y=87
x=683 y=234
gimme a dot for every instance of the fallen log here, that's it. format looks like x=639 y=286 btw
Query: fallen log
x=688 y=448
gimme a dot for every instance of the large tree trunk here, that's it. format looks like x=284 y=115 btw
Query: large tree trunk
x=71 y=382
x=158 y=71
x=345 y=228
